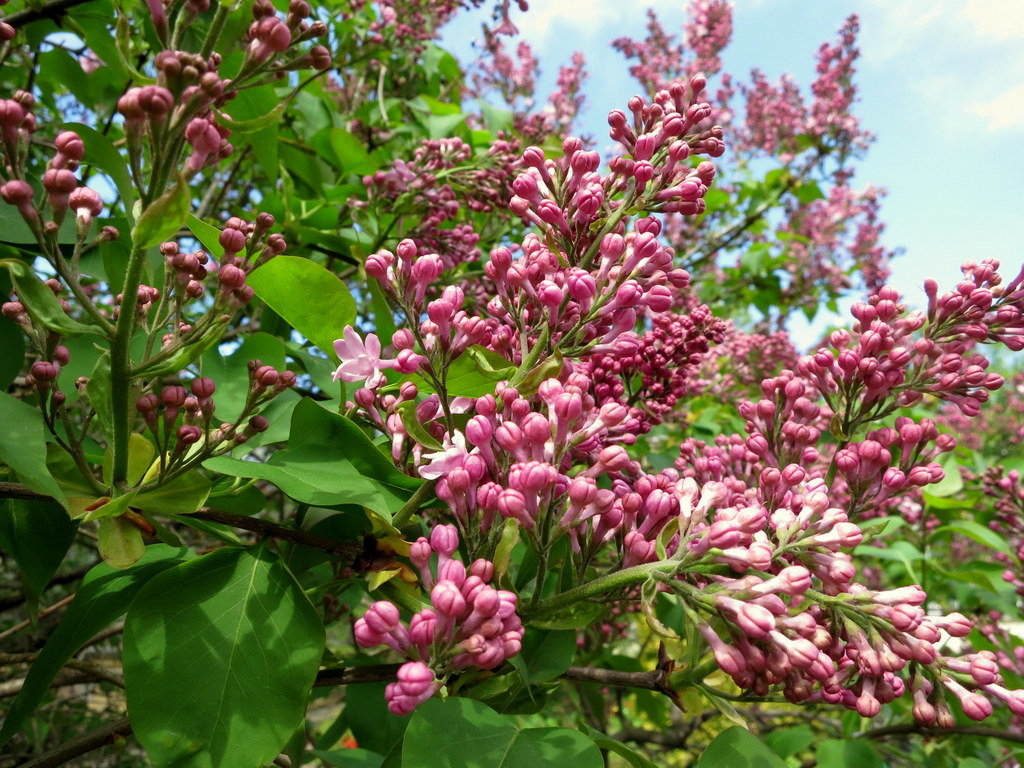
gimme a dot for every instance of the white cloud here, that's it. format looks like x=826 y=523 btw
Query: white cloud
x=1004 y=111
x=584 y=16
x=996 y=19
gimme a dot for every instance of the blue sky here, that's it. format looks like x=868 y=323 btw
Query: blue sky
x=941 y=86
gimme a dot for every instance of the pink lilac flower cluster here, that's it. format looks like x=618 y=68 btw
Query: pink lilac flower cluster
x=895 y=358
x=779 y=122
x=443 y=181
x=652 y=377
x=420 y=21
x=997 y=432
x=828 y=239
x=515 y=81
x=806 y=625
x=1005 y=492
x=660 y=60
x=737 y=364
x=469 y=623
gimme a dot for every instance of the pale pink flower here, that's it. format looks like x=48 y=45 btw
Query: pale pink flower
x=360 y=360
x=444 y=461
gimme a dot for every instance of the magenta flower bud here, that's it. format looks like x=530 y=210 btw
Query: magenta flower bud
x=582 y=285
x=536 y=428
x=203 y=387
x=482 y=569
x=232 y=240
x=420 y=552
x=189 y=434
x=549 y=294
x=173 y=397
x=613 y=458
x=382 y=616
x=479 y=431
x=366 y=636
x=415 y=677
x=44 y=372
x=408 y=361
x=444 y=539
x=976 y=706
x=659 y=299
x=534 y=157
x=231 y=277
x=612 y=414
x=453 y=571
x=447 y=599
x=258 y=424
x=427 y=269
x=512 y=503
x=422 y=628
x=59 y=181
x=403 y=339
x=17 y=192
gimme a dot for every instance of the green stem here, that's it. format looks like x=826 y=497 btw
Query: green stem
x=120 y=367
x=216 y=27
x=597 y=588
x=413 y=504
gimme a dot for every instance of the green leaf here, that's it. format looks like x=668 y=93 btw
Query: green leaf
x=99 y=393
x=635 y=759
x=351 y=153
x=545 y=655
x=369 y=719
x=320 y=475
x=207 y=234
x=12 y=352
x=738 y=748
x=808 y=192
x=788 y=741
x=411 y=422
x=979 y=533
x=951 y=483
x=236 y=627
x=182 y=496
x=141 y=454
x=23 y=448
x=120 y=543
x=37 y=535
x=348 y=758
x=40 y=302
x=841 y=753
x=314 y=301
x=163 y=217
x=102 y=598
x=461 y=733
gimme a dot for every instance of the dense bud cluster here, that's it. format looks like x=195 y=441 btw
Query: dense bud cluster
x=469 y=623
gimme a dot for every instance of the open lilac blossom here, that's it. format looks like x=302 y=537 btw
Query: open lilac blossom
x=360 y=360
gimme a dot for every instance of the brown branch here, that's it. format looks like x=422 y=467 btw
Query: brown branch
x=655 y=680
x=958 y=730
x=346 y=549
x=80 y=745
x=51 y=10
x=44 y=612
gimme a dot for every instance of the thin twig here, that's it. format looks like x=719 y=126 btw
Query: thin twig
x=51 y=10
x=81 y=745
x=957 y=730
